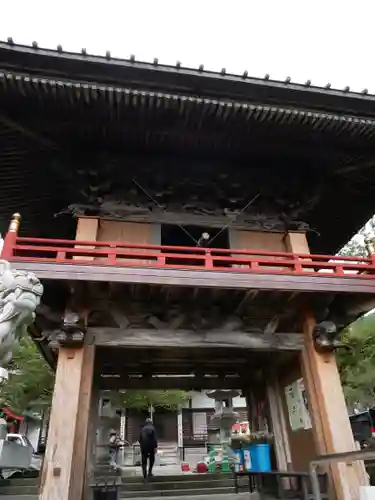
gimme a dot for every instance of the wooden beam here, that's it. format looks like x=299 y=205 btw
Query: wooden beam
x=166 y=383
x=157 y=216
x=237 y=279
x=115 y=337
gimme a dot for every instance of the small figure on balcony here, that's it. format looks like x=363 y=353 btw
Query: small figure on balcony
x=20 y=294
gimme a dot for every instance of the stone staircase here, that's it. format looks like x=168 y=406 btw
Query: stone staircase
x=133 y=487
x=168 y=453
x=19 y=489
x=182 y=485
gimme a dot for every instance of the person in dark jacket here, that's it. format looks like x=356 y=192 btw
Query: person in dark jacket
x=148 y=444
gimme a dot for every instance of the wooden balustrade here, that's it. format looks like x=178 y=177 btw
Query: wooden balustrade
x=123 y=254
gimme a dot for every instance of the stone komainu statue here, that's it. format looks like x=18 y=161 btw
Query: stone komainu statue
x=20 y=294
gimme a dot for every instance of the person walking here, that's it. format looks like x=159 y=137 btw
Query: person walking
x=148 y=443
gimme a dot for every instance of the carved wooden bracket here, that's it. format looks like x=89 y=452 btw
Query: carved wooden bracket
x=59 y=339
x=326 y=336
x=73 y=328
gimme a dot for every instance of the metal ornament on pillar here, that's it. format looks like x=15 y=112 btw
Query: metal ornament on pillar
x=20 y=294
x=326 y=337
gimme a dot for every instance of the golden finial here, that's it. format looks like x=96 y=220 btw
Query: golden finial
x=15 y=223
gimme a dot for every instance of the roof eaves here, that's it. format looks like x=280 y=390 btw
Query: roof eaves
x=284 y=112
x=156 y=68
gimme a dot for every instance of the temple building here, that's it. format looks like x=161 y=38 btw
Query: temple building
x=184 y=224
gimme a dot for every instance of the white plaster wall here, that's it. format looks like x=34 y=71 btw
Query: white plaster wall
x=239 y=402
x=200 y=400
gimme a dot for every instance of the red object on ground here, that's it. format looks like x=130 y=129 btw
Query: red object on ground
x=201 y=468
x=185 y=467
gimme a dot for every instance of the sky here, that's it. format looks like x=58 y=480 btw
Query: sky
x=324 y=41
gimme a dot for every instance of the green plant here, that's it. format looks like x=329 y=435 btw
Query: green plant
x=259 y=437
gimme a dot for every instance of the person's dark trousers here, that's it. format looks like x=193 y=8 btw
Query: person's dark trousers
x=147 y=455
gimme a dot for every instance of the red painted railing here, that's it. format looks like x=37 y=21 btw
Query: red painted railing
x=114 y=253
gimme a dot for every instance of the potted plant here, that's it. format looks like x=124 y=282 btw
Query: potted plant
x=260 y=437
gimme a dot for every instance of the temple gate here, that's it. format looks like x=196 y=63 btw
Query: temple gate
x=184 y=226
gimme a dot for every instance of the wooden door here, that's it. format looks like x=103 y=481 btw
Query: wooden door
x=255 y=240
x=131 y=232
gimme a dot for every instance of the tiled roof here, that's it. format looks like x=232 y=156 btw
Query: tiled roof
x=108 y=69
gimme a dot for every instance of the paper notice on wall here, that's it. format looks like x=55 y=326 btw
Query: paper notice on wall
x=304 y=405
x=293 y=403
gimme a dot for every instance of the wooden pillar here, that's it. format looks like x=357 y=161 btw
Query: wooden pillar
x=331 y=426
x=92 y=439
x=65 y=458
x=279 y=429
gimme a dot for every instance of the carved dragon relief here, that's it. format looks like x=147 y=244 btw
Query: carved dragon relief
x=219 y=192
x=20 y=294
x=210 y=319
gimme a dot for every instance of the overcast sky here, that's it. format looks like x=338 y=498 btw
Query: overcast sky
x=321 y=40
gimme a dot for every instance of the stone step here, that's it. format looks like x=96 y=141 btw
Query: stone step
x=19 y=481
x=221 y=496
x=167 y=478
x=18 y=497
x=175 y=492
x=172 y=485
x=19 y=490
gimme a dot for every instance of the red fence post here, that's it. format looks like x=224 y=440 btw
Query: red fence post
x=10 y=239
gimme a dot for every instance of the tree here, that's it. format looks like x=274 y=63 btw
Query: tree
x=356 y=246
x=31 y=381
x=142 y=400
x=356 y=361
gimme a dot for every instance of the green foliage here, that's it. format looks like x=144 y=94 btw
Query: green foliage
x=142 y=400
x=30 y=382
x=357 y=362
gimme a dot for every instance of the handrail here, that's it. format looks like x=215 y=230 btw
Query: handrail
x=131 y=254
x=126 y=254
x=119 y=253
x=348 y=456
x=201 y=250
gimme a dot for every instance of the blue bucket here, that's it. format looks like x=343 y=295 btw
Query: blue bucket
x=261 y=457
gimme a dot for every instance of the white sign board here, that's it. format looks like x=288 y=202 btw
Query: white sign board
x=304 y=405
x=297 y=404
x=293 y=403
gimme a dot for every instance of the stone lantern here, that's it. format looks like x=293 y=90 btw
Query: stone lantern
x=224 y=417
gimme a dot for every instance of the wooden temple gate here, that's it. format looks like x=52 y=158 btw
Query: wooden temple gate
x=171 y=206
x=122 y=331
